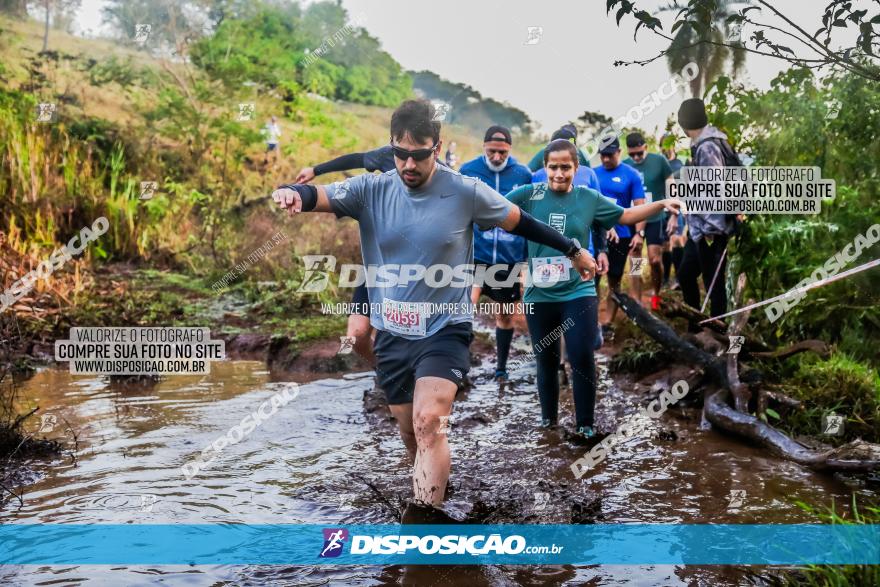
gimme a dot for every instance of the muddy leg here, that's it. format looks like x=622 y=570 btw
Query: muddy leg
x=403 y=414
x=431 y=407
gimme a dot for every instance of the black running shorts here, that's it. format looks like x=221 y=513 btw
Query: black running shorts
x=400 y=362
x=502 y=295
x=617 y=255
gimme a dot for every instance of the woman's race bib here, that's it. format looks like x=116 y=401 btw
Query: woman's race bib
x=550 y=269
x=404 y=317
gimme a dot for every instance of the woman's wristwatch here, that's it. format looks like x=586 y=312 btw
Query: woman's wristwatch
x=575 y=248
x=641 y=233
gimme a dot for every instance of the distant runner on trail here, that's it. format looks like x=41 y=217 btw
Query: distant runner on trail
x=422 y=215
x=656 y=174
x=272 y=132
x=624 y=184
x=498 y=169
x=674 y=249
x=565 y=306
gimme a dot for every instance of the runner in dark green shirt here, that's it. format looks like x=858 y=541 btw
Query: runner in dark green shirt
x=655 y=170
x=563 y=305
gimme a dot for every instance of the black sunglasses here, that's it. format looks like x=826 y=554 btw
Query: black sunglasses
x=417 y=155
x=639 y=154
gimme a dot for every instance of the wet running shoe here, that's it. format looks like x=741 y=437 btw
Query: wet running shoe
x=655 y=303
x=545 y=423
x=501 y=375
x=586 y=432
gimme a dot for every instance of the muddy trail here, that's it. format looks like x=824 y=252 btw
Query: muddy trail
x=333 y=456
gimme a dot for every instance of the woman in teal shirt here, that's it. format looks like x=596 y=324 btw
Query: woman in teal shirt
x=563 y=304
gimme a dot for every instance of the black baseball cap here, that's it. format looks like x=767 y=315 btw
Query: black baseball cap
x=497 y=129
x=634 y=139
x=608 y=145
x=566 y=131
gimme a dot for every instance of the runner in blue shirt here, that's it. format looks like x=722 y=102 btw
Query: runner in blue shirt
x=623 y=184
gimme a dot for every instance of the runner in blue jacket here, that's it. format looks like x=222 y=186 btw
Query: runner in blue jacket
x=498 y=169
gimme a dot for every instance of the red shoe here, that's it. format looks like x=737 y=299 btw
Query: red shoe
x=655 y=302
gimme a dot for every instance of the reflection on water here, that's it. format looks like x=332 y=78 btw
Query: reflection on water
x=331 y=455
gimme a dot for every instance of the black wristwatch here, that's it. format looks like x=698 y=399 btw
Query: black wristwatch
x=641 y=233
x=572 y=252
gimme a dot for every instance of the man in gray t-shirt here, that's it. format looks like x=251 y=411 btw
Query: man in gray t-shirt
x=425 y=226
x=422 y=214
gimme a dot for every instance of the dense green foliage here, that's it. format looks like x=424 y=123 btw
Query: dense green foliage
x=793 y=123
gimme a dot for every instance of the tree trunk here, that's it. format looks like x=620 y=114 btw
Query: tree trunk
x=46 y=30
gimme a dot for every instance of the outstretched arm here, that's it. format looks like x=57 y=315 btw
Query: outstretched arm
x=297 y=198
x=637 y=214
x=521 y=223
x=342 y=163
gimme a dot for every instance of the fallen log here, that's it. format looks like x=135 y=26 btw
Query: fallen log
x=723 y=373
x=813 y=346
x=665 y=335
x=722 y=416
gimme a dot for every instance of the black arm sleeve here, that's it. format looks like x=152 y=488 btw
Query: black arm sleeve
x=344 y=163
x=307 y=193
x=533 y=230
x=600 y=243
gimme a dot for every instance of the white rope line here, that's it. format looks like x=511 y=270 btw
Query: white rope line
x=805 y=288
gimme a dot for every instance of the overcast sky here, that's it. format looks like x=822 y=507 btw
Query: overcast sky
x=568 y=71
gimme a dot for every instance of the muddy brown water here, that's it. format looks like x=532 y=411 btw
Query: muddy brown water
x=332 y=456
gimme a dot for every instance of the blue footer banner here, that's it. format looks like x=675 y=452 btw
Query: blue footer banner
x=301 y=544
